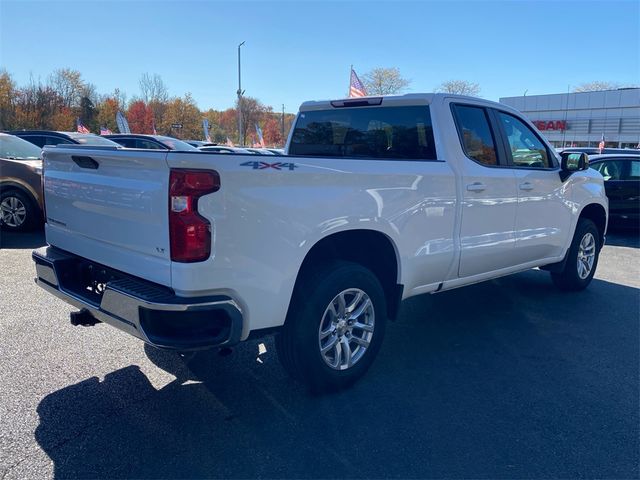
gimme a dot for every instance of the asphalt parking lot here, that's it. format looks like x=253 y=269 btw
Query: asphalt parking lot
x=506 y=379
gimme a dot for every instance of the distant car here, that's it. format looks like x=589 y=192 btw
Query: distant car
x=20 y=183
x=260 y=151
x=226 y=149
x=596 y=151
x=200 y=143
x=152 y=142
x=276 y=151
x=50 y=137
x=621 y=175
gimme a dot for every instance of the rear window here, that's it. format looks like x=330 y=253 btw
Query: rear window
x=378 y=132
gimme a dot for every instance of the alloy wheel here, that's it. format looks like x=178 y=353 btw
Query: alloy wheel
x=346 y=329
x=14 y=212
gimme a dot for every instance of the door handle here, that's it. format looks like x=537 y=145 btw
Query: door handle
x=85 y=162
x=526 y=186
x=476 y=187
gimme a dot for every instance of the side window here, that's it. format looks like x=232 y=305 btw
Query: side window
x=634 y=171
x=125 y=142
x=147 y=144
x=475 y=133
x=526 y=148
x=610 y=169
x=37 y=140
x=55 y=141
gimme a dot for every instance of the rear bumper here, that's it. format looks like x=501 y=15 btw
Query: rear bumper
x=148 y=311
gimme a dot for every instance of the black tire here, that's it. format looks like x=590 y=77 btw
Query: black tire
x=570 y=279
x=298 y=343
x=32 y=215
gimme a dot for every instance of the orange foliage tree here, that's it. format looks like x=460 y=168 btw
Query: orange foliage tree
x=140 y=117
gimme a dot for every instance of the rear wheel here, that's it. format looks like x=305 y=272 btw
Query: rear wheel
x=334 y=328
x=582 y=258
x=17 y=211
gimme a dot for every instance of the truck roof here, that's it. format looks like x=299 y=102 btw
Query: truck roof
x=391 y=100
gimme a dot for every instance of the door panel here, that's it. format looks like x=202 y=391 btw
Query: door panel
x=543 y=217
x=489 y=196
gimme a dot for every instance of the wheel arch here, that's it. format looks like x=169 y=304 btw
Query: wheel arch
x=16 y=184
x=370 y=248
x=598 y=215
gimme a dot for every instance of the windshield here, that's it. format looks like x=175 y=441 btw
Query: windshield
x=90 y=139
x=16 y=148
x=174 y=143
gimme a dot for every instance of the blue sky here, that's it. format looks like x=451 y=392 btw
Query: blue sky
x=297 y=51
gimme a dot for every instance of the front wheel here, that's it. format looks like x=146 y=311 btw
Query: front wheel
x=582 y=258
x=334 y=328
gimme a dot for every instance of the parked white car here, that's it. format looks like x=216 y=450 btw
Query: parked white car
x=378 y=199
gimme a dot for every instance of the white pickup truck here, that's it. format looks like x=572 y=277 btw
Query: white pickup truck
x=376 y=200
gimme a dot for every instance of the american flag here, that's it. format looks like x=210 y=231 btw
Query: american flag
x=601 y=144
x=105 y=131
x=229 y=143
x=80 y=127
x=154 y=128
x=356 y=88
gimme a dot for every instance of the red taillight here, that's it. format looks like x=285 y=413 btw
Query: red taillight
x=189 y=233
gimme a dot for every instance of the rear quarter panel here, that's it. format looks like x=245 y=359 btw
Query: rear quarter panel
x=265 y=220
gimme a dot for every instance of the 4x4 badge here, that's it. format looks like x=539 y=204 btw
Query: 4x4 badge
x=266 y=165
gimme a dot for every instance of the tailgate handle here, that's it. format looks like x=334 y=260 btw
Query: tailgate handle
x=85 y=162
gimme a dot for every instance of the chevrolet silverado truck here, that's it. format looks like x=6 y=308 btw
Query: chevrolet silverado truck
x=377 y=199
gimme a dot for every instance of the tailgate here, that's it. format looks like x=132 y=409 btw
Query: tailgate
x=110 y=205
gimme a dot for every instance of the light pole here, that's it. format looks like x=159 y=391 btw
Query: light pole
x=240 y=92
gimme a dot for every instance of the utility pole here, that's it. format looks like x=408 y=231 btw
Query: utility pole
x=240 y=92
x=283 y=140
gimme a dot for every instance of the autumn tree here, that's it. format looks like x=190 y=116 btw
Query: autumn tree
x=460 y=87
x=252 y=112
x=385 y=81
x=68 y=84
x=39 y=106
x=7 y=100
x=155 y=94
x=106 y=116
x=183 y=111
x=140 y=117
x=228 y=122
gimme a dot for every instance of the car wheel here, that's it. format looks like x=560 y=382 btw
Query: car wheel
x=334 y=328
x=17 y=211
x=582 y=258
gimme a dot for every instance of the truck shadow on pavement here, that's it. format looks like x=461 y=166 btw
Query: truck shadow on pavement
x=509 y=378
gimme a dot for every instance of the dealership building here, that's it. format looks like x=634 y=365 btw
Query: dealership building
x=581 y=119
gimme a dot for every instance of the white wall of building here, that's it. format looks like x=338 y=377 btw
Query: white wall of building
x=588 y=115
